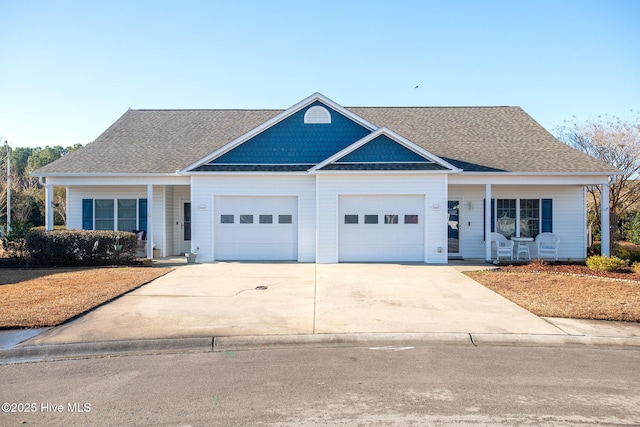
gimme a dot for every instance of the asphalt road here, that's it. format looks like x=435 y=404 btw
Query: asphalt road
x=427 y=385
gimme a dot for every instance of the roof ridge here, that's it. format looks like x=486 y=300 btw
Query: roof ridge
x=379 y=106
x=205 y=109
x=440 y=106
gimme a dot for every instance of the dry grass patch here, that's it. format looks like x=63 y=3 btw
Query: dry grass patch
x=561 y=295
x=31 y=298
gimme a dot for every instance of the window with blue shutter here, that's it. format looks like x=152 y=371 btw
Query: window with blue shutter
x=87 y=214
x=526 y=216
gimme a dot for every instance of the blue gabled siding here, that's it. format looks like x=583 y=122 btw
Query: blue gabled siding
x=293 y=142
x=382 y=149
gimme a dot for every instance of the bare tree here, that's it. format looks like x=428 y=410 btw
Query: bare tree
x=616 y=142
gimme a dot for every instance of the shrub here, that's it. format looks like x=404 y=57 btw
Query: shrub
x=594 y=249
x=634 y=255
x=636 y=267
x=634 y=232
x=63 y=248
x=631 y=252
x=605 y=263
x=14 y=242
x=623 y=253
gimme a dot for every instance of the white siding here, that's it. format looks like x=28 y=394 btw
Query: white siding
x=432 y=187
x=318 y=237
x=569 y=215
x=205 y=188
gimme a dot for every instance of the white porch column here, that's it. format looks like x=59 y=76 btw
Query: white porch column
x=487 y=222
x=48 y=207
x=149 y=221
x=605 y=231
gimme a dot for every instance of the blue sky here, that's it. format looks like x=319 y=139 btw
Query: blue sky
x=69 y=69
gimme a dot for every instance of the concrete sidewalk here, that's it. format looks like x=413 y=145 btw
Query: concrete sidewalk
x=294 y=302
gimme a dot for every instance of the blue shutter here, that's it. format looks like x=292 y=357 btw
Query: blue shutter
x=547 y=216
x=493 y=216
x=142 y=215
x=87 y=214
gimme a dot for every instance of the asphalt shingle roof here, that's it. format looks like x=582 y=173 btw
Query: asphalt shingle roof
x=484 y=138
x=481 y=139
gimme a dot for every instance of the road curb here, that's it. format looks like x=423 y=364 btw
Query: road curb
x=377 y=339
x=517 y=340
x=514 y=340
x=35 y=353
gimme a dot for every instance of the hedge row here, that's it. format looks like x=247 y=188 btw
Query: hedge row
x=64 y=248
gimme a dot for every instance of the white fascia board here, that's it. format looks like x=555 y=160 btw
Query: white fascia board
x=280 y=117
x=102 y=174
x=236 y=173
x=509 y=178
x=117 y=180
x=382 y=172
x=540 y=173
x=394 y=136
x=260 y=164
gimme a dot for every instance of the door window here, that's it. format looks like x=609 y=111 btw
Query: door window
x=453 y=226
x=187 y=221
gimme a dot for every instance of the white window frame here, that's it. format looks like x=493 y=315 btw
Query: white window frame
x=518 y=217
x=115 y=211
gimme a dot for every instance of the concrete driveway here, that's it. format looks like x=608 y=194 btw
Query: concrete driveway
x=249 y=299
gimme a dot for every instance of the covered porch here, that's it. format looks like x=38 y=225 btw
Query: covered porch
x=518 y=211
x=159 y=210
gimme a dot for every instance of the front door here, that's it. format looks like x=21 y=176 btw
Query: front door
x=185 y=226
x=453 y=227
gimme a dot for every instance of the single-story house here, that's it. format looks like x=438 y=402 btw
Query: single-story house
x=319 y=182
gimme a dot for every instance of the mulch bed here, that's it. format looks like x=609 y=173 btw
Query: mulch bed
x=559 y=268
x=567 y=290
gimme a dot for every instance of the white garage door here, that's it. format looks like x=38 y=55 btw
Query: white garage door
x=256 y=228
x=381 y=228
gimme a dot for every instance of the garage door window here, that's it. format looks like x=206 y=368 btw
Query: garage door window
x=351 y=219
x=391 y=219
x=285 y=219
x=246 y=219
x=226 y=219
x=411 y=219
x=371 y=219
x=266 y=219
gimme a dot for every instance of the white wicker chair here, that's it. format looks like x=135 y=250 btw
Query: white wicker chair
x=504 y=246
x=547 y=244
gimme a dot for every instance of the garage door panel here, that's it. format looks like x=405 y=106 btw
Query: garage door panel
x=260 y=228
x=381 y=228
